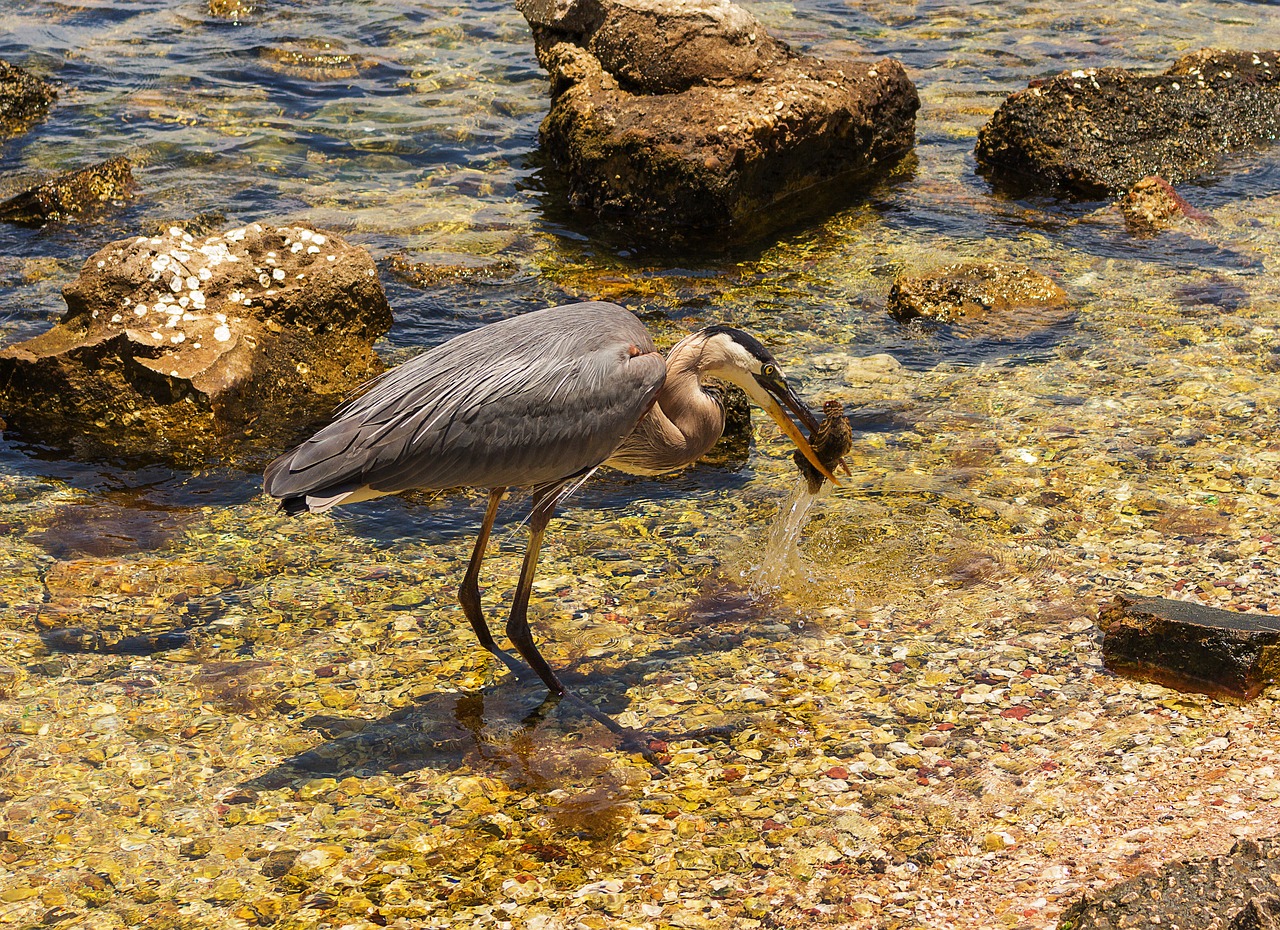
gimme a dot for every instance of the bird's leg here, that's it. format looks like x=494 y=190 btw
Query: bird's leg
x=544 y=505
x=469 y=591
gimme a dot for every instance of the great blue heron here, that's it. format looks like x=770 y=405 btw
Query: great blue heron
x=537 y=401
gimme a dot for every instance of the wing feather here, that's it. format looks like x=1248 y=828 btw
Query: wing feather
x=529 y=400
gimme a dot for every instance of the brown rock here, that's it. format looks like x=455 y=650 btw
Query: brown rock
x=181 y=348
x=1152 y=205
x=969 y=291
x=430 y=275
x=689 y=114
x=72 y=194
x=657 y=46
x=314 y=60
x=1191 y=647
x=234 y=10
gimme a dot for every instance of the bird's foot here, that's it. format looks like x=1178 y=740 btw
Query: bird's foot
x=522 y=672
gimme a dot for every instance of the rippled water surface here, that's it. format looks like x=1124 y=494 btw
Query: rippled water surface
x=1006 y=480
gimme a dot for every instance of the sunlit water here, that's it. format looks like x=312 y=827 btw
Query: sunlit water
x=1003 y=482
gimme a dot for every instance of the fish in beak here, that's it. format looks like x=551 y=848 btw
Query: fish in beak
x=776 y=397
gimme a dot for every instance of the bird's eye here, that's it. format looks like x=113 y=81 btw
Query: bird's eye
x=769 y=371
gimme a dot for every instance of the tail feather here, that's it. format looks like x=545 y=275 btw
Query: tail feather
x=294 y=505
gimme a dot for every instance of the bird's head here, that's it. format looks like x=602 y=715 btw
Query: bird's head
x=741 y=359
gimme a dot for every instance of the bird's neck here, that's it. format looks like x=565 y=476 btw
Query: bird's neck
x=683 y=424
x=696 y=411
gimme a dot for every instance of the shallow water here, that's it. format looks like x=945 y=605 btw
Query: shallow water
x=1004 y=485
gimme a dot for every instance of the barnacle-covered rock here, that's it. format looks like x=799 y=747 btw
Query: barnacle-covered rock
x=178 y=348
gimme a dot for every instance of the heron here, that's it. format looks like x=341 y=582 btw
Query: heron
x=538 y=401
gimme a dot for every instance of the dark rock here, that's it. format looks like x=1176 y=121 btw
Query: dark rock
x=279 y=862
x=181 y=349
x=689 y=114
x=1152 y=205
x=72 y=194
x=1191 y=647
x=1261 y=913
x=1195 y=894
x=24 y=99
x=969 y=291
x=1098 y=131
x=832 y=440
x=113 y=641
x=733 y=448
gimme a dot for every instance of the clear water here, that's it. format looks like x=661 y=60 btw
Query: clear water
x=429 y=151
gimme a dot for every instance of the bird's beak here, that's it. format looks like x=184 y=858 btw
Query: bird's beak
x=778 y=397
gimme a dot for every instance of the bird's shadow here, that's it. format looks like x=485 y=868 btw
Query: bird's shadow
x=513 y=729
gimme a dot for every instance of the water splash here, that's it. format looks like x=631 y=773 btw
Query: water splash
x=782 y=559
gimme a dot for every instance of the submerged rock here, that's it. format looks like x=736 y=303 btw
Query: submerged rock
x=1191 y=647
x=969 y=291
x=1152 y=205
x=71 y=195
x=690 y=114
x=1098 y=131
x=430 y=275
x=234 y=10
x=1195 y=894
x=733 y=448
x=180 y=348
x=314 y=60
x=24 y=99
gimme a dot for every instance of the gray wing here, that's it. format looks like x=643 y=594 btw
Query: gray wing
x=525 y=401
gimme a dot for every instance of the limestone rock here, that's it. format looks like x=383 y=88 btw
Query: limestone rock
x=969 y=291
x=1098 y=131
x=24 y=99
x=670 y=113
x=180 y=348
x=72 y=194
x=1191 y=647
